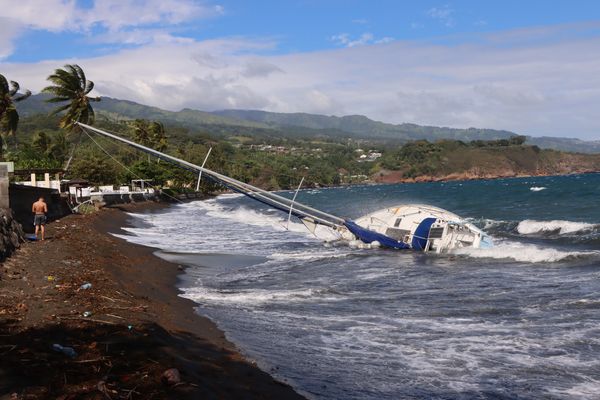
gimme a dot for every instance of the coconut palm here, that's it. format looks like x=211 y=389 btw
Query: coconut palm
x=151 y=134
x=9 y=95
x=159 y=138
x=70 y=84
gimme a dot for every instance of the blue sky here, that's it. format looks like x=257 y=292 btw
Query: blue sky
x=526 y=66
x=307 y=25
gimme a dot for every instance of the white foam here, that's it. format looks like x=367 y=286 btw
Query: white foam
x=252 y=297
x=523 y=252
x=530 y=226
x=537 y=188
x=272 y=218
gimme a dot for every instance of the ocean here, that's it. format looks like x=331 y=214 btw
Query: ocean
x=518 y=321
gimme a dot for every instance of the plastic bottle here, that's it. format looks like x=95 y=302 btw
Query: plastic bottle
x=67 y=351
x=87 y=314
x=85 y=286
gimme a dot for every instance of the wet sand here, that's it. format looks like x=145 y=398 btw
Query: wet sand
x=138 y=327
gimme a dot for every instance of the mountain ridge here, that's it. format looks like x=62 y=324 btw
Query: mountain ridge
x=257 y=122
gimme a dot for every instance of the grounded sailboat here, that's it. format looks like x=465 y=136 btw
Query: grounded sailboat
x=411 y=226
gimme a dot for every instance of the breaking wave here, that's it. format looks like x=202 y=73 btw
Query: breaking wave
x=530 y=226
x=256 y=297
x=522 y=252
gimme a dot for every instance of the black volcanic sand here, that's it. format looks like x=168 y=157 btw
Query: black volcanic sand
x=138 y=327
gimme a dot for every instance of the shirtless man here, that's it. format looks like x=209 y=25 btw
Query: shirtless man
x=39 y=208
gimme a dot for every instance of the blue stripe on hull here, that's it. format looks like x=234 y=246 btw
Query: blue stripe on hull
x=368 y=236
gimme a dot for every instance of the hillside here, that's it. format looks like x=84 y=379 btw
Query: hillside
x=451 y=160
x=270 y=125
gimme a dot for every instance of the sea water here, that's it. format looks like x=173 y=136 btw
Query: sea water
x=518 y=321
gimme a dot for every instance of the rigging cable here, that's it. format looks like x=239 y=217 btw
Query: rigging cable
x=123 y=165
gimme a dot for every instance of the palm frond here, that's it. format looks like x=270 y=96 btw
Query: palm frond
x=23 y=96
x=89 y=86
x=15 y=88
x=60 y=109
x=3 y=85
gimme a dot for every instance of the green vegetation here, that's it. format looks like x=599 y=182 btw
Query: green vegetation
x=281 y=163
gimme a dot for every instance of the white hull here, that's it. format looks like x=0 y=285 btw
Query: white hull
x=420 y=227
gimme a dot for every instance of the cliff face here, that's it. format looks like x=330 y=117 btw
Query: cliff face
x=11 y=234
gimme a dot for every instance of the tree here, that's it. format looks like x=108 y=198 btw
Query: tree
x=70 y=85
x=41 y=142
x=150 y=134
x=9 y=117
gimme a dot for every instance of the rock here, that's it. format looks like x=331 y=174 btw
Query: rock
x=171 y=377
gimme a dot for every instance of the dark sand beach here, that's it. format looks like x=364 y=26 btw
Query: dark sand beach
x=138 y=327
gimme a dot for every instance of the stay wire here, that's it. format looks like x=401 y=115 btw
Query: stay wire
x=123 y=165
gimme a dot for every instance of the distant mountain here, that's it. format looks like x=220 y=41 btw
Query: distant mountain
x=270 y=124
x=125 y=109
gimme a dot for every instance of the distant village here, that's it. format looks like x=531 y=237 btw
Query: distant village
x=361 y=155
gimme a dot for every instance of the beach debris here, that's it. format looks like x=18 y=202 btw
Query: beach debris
x=50 y=278
x=130 y=327
x=67 y=351
x=103 y=389
x=85 y=286
x=171 y=377
x=87 y=314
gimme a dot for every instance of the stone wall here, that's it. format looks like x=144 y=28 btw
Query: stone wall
x=11 y=234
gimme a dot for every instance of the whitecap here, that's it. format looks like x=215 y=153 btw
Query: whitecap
x=537 y=188
x=523 y=253
x=530 y=226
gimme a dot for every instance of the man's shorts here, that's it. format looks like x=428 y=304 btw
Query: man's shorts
x=39 y=220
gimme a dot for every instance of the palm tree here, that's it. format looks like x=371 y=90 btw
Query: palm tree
x=150 y=134
x=9 y=95
x=70 y=84
x=159 y=138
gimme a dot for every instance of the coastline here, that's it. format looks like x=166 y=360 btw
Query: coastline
x=139 y=326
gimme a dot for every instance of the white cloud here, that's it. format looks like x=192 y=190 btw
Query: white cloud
x=50 y=15
x=118 y=14
x=345 y=39
x=444 y=14
x=123 y=21
x=9 y=30
x=503 y=81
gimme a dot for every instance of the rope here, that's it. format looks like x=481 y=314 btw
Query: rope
x=123 y=165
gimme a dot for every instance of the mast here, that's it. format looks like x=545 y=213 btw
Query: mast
x=299 y=210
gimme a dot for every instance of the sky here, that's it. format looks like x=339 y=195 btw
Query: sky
x=526 y=66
